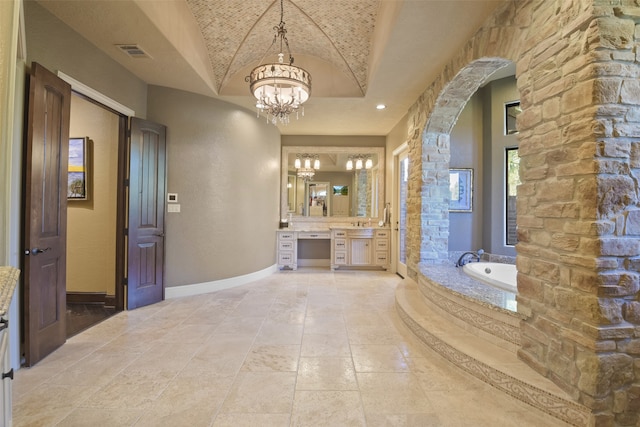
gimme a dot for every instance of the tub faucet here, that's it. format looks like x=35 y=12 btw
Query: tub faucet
x=468 y=257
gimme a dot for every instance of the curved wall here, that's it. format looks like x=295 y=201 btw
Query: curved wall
x=225 y=167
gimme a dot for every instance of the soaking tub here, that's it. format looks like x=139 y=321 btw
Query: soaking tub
x=498 y=275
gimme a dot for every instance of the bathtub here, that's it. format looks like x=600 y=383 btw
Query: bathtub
x=498 y=275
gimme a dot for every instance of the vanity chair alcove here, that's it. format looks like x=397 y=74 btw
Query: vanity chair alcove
x=335 y=218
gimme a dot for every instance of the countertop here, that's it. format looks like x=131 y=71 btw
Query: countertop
x=332 y=227
x=8 y=282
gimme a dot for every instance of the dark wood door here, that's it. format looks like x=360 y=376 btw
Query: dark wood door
x=147 y=186
x=45 y=223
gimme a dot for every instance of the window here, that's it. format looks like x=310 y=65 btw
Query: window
x=512 y=182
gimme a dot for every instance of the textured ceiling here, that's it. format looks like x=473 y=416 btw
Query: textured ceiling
x=339 y=35
x=358 y=52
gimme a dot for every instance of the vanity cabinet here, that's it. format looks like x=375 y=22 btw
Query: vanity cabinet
x=382 y=246
x=287 y=249
x=360 y=247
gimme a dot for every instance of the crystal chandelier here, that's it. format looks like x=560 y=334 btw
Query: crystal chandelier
x=280 y=89
x=359 y=159
x=307 y=172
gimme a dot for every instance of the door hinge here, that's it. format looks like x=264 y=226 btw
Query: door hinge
x=125 y=281
x=126 y=182
x=126 y=231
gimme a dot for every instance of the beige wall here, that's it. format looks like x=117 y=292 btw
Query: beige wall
x=91 y=225
x=57 y=47
x=225 y=166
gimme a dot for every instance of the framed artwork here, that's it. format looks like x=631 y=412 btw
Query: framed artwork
x=461 y=188
x=78 y=183
x=511 y=112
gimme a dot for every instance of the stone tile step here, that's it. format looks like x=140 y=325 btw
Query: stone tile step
x=484 y=359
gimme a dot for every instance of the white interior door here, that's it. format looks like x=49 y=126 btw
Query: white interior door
x=402 y=180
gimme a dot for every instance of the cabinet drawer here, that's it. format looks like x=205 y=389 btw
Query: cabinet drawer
x=362 y=234
x=285 y=236
x=340 y=258
x=340 y=244
x=339 y=234
x=286 y=245
x=285 y=258
x=314 y=235
x=382 y=244
x=382 y=233
x=382 y=258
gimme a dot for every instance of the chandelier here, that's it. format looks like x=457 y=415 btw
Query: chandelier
x=280 y=89
x=306 y=172
x=358 y=159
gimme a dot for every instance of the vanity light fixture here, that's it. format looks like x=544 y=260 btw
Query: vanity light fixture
x=358 y=160
x=280 y=89
x=307 y=172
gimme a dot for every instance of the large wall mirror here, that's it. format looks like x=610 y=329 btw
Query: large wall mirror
x=349 y=182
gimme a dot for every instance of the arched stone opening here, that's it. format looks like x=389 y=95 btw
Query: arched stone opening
x=435 y=156
x=578 y=222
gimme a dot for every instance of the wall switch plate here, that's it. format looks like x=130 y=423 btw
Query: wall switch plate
x=173 y=208
x=172 y=197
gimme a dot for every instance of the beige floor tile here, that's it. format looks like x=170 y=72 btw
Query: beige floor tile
x=83 y=417
x=48 y=404
x=192 y=399
x=393 y=393
x=240 y=324
x=486 y=407
x=94 y=371
x=406 y=420
x=252 y=420
x=325 y=345
x=327 y=408
x=378 y=358
x=310 y=347
x=275 y=332
x=326 y=373
x=325 y=324
x=279 y=358
x=130 y=389
x=261 y=392
x=435 y=375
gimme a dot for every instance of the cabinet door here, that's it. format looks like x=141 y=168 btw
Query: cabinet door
x=360 y=251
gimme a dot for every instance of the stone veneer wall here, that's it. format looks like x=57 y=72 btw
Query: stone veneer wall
x=578 y=254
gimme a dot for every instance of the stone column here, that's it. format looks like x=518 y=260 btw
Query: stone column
x=578 y=228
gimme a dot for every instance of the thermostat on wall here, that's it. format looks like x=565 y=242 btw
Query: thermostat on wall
x=172 y=197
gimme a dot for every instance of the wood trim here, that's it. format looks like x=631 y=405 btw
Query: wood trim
x=110 y=301
x=122 y=209
x=86 y=297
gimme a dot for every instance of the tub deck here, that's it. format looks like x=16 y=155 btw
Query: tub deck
x=476 y=327
x=454 y=279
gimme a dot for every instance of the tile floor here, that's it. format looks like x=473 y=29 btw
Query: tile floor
x=304 y=348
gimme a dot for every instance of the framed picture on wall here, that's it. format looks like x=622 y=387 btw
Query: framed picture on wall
x=461 y=189
x=78 y=182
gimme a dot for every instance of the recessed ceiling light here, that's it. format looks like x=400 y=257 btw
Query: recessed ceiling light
x=381 y=106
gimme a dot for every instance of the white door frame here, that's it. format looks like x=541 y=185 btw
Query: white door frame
x=399 y=153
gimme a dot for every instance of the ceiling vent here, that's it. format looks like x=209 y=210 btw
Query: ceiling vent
x=133 y=50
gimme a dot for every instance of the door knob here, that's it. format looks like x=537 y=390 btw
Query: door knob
x=36 y=251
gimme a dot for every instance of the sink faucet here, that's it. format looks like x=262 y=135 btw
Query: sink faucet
x=468 y=257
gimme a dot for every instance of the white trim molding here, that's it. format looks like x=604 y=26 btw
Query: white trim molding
x=217 y=285
x=85 y=90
